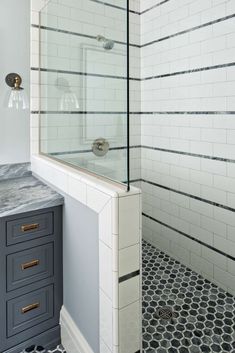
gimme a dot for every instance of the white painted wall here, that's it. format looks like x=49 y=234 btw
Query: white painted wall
x=14 y=37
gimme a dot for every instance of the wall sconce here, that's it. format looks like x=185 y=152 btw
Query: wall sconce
x=18 y=98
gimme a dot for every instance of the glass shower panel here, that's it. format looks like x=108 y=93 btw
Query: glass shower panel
x=84 y=85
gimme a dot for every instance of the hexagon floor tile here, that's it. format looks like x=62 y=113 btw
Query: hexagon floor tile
x=200 y=316
x=41 y=349
x=58 y=349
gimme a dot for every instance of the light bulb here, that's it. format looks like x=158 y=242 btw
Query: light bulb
x=69 y=101
x=18 y=99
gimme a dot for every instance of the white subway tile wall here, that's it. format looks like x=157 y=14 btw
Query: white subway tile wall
x=188 y=133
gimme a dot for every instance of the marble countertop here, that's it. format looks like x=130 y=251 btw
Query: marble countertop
x=25 y=194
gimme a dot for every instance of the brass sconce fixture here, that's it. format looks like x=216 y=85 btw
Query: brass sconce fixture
x=17 y=99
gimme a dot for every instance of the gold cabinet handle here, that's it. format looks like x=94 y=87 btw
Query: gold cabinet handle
x=27 y=227
x=30 y=307
x=29 y=264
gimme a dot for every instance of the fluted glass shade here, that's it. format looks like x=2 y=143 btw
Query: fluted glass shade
x=18 y=100
x=69 y=101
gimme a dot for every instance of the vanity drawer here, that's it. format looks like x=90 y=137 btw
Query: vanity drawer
x=29 y=310
x=28 y=266
x=29 y=228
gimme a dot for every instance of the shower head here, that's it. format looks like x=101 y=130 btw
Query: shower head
x=108 y=44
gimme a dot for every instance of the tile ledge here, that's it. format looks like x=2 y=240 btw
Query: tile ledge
x=108 y=187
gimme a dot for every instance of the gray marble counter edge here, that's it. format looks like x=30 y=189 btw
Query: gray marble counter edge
x=58 y=201
x=26 y=194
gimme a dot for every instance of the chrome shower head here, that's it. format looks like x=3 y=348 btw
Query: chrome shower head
x=108 y=44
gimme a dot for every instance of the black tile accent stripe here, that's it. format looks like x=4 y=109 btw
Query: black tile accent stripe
x=154 y=6
x=80 y=73
x=189 y=30
x=183 y=112
x=190 y=237
x=109 y=5
x=140 y=113
x=115 y=6
x=216 y=204
x=78 y=112
x=129 y=276
x=125 y=9
x=149 y=43
x=88 y=151
x=53 y=29
x=78 y=34
x=189 y=154
x=205 y=68
x=135 y=180
x=177 y=73
x=132 y=11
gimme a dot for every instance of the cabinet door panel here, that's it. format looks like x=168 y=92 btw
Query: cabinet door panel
x=29 y=310
x=29 y=266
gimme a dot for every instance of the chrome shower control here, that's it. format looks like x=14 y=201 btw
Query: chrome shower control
x=100 y=147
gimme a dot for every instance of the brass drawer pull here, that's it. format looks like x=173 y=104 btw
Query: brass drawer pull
x=30 y=307
x=29 y=264
x=27 y=227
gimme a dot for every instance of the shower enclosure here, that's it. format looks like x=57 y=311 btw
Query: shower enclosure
x=84 y=86
x=182 y=120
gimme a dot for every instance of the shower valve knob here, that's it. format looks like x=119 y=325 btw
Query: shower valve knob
x=100 y=147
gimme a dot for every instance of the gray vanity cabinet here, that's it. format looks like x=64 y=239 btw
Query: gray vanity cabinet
x=31 y=277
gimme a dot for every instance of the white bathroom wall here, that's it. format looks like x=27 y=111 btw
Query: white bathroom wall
x=188 y=133
x=14 y=126
x=81 y=286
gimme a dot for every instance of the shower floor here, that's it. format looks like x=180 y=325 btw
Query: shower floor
x=183 y=312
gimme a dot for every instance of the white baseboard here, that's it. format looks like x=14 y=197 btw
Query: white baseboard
x=71 y=337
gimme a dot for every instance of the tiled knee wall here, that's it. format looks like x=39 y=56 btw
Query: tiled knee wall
x=188 y=133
